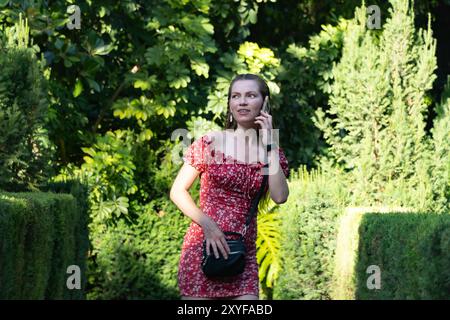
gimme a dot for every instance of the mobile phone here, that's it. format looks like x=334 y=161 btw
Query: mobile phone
x=266 y=106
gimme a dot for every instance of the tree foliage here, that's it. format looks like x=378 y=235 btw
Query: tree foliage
x=376 y=122
x=24 y=146
x=440 y=157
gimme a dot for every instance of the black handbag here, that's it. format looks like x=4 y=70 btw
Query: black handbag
x=235 y=264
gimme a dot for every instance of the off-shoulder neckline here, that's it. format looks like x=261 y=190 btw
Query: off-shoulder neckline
x=231 y=158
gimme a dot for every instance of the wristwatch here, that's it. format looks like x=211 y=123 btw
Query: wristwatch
x=271 y=146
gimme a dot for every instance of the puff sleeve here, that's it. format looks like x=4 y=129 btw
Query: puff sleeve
x=197 y=154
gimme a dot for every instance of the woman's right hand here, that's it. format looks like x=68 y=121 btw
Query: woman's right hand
x=215 y=238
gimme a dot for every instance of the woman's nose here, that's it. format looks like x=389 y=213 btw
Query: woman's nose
x=243 y=100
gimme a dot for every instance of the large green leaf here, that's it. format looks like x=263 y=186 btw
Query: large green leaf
x=268 y=247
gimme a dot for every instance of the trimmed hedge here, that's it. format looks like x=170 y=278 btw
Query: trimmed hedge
x=347 y=249
x=412 y=251
x=41 y=234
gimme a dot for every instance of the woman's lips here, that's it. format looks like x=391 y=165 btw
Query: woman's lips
x=243 y=112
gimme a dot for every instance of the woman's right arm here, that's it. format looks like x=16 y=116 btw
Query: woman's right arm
x=179 y=194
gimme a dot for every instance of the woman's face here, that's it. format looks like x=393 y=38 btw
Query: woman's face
x=245 y=102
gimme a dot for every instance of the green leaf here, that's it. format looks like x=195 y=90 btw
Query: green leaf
x=141 y=84
x=88 y=160
x=78 y=88
x=145 y=135
x=122 y=205
x=252 y=16
x=154 y=55
x=103 y=49
x=67 y=63
x=200 y=67
x=73 y=58
x=102 y=12
x=208 y=27
x=180 y=82
x=93 y=84
x=268 y=246
x=59 y=44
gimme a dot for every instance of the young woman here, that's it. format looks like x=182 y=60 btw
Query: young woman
x=228 y=183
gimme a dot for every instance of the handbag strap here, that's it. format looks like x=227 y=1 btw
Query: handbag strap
x=231 y=233
x=255 y=201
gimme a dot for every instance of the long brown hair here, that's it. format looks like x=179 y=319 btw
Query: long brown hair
x=263 y=89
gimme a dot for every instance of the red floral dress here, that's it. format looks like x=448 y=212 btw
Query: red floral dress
x=227 y=187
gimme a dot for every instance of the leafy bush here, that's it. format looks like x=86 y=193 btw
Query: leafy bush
x=139 y=261
x=41 y=234
x=309 y=234
x=305 y=80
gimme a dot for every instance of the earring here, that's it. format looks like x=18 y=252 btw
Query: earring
x=231 y=118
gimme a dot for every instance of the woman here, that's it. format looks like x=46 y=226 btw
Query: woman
x=228 y=183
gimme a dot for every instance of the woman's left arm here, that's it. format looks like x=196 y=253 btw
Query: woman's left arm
x=278 y=187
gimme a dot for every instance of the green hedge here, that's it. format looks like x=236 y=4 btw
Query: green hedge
x=41 y=234
x=412 y=251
